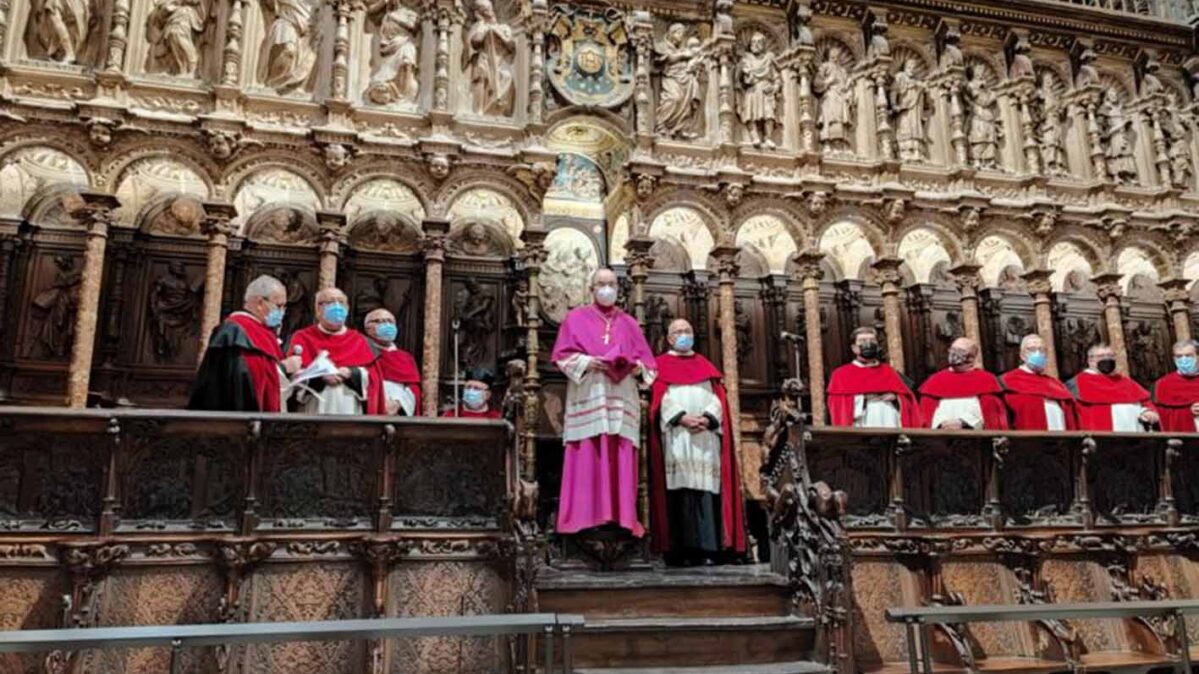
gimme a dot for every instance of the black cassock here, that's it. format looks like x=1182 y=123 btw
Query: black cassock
x=239 y=370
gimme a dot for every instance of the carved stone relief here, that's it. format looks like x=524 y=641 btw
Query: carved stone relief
x=30 y=169
x=174 y=312
x=283 y=225
x=174 y=29
x=475 y=306
x=761 y=86
x=683 y=61
x=838 y=101
x=1118 y=138
x=385 y=231
x=984 y=129
x=911 y=105
x=148 y=178
x=66 y=31
x=490 y=208
x=394 y=70
x=479 y=239
x=289 y=51
x=565 y=277
x=273 y=186
x=489 y=51
x=51 y=327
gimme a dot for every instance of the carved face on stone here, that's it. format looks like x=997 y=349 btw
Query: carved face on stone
x=220 y=145
x=645 y=185
x=476 y=235
x=99 y=133
x=384 y=225
x=909 y=67
x=176 y=268
x=485 y=11
x=817 y=203
x=757 y=44
x=676 y=33
x=439 y=166
x=336 y=156
x=284 y=219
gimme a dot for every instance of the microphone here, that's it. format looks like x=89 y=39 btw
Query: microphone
x=791 y=336
x=297 y=350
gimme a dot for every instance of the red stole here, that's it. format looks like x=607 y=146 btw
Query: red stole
x=970 y=384
x=263 y=363
x=453 y=413
x=1096 y=393
x=1174 y=394
x=347 y=349
x=397 y=365
x=851 y=380
x=675 y=370
x=1025 y=396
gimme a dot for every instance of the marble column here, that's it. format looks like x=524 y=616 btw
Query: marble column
x=1042 y=300
x=968 y=282
x=332 y=236
x=889 y=279
x=94 y=210
x=434 y=250
x=725 y=255
x=533 y=255
x=808 y=271
x=637 y=259
x=1178 y=303
x=1109 y=291
x=218 y=226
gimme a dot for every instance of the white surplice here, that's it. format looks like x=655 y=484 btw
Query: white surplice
x=596 y=405
x=966 y=410
x=875 y=413
x=396 y=392
x=340 y=399
x=692 y=460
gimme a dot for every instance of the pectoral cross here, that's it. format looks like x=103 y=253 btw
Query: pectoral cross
x=607 y=335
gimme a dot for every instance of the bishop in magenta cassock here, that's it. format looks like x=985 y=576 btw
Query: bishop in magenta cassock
x=395 y=367
x=696 y=509
x=602 y=352
x=1108 y=400
x=1177 y=394
x=962 y=395
x=868 y=393
x=243 y=368
x=352 y=390
x=476 y=397
x=1037 y=401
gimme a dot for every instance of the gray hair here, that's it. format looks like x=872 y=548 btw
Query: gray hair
x=595 y=275
x=263 y=287
x=1028 y=338
x=1184 y=343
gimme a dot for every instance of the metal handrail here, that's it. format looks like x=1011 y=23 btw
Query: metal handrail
x=918 y=619
x=177 y=637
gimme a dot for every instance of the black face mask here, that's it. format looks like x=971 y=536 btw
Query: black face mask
x=1107 y=365
x=869 y=351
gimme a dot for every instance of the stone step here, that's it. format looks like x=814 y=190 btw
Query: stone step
x=799 y=667
x=689 y=642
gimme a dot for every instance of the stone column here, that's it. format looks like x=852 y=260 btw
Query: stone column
x=807 y=269
x=1178 y=303
x=95 y=211
x=332 y=236
x=536 y=26
x=889 y=279
x=725 y=255
x=231 y=55
x=1108 y=288
x=1042 y=301
x=726 y=96
x=637 y=258
x=218 y=226
x=968 y=282
x=434 y=249
x=533 y=255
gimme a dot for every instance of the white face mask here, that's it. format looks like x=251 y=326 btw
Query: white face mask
x=605 y=295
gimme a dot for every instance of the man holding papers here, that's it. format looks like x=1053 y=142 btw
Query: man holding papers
x=343 y=359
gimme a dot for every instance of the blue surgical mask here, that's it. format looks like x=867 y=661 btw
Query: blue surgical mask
x=386 y=332
x=684 y=343
x=472 y=398
x=335 y=313
x=274 y=317
x=1186 y=365
x=1036 y=360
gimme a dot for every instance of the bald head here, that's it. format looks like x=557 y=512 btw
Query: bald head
x=681 y=335
x=963 y=353
x=380 y=325
x=332 y=309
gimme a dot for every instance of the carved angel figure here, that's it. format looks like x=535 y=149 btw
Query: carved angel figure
x=679 y=98
x=984 y=130
x=1120 y=163
x=394 y=76
x=58 y=29
x=837 y=102
x=909 y=101
x=172 y=29
x=289 y=50
x=761 y=82
x=1049 y=132
x=1178 y=129
x=489 y=50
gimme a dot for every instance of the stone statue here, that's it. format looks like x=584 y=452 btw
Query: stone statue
x=378 y=294
x=489 y=50
x=52 y=312
x=58 y=30
x=878 y=46
x=1049 y=131
x=393 y=78
x=658 y=317
x=174 y=311
x=1021 y=65
x=984 y=130
x=173 y=28
x=1178 y=131
x=298 y=313
x=680 y=94
x=1121 y=165
x=385 y=231
x=801 y=28
x=1087 y=74
x=837 y=102
x=289 y=50
x=285 y=225
x=1150 y=83
x=761 y=83
x=478 y=240
x=951 y=53
x=909 y=101
x=474 y=307
x=722 y=18
x=520 y=303
x=564 y=280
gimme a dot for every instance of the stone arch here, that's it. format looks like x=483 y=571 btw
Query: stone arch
x=170 y=214
x=380 y=183
x=307 y=168
x=997 y=254
x=850 y=48
x=183 y=151
x=1136 y=260
x=143 y=180
x=1070 y=256
x=282 y=223
x=1121 y=82
x=382 y=192
x=768 y=235
x=1012 y=236
x=464 y=181
x=922 y=251
x=74 y=145
x=713 y=212
x=493 y=209
x=942 y=227
x=788 y=212
x=1190 y=268
x=28 y=169
x=606 y=118
x=47 y=207
x=847 y=246
x=605 y=139
x=272 y=185
x=990 y=65
x=385 y=230
x=686 y=227
x=1160 y=253
x=902 y=50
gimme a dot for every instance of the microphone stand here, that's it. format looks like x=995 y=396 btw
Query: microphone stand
x=456 y=324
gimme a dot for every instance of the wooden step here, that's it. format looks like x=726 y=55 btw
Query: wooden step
x=713 y=591
x=689 y=642
x=800 y=667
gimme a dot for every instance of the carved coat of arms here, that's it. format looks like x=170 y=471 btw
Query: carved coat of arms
x=589 y=58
